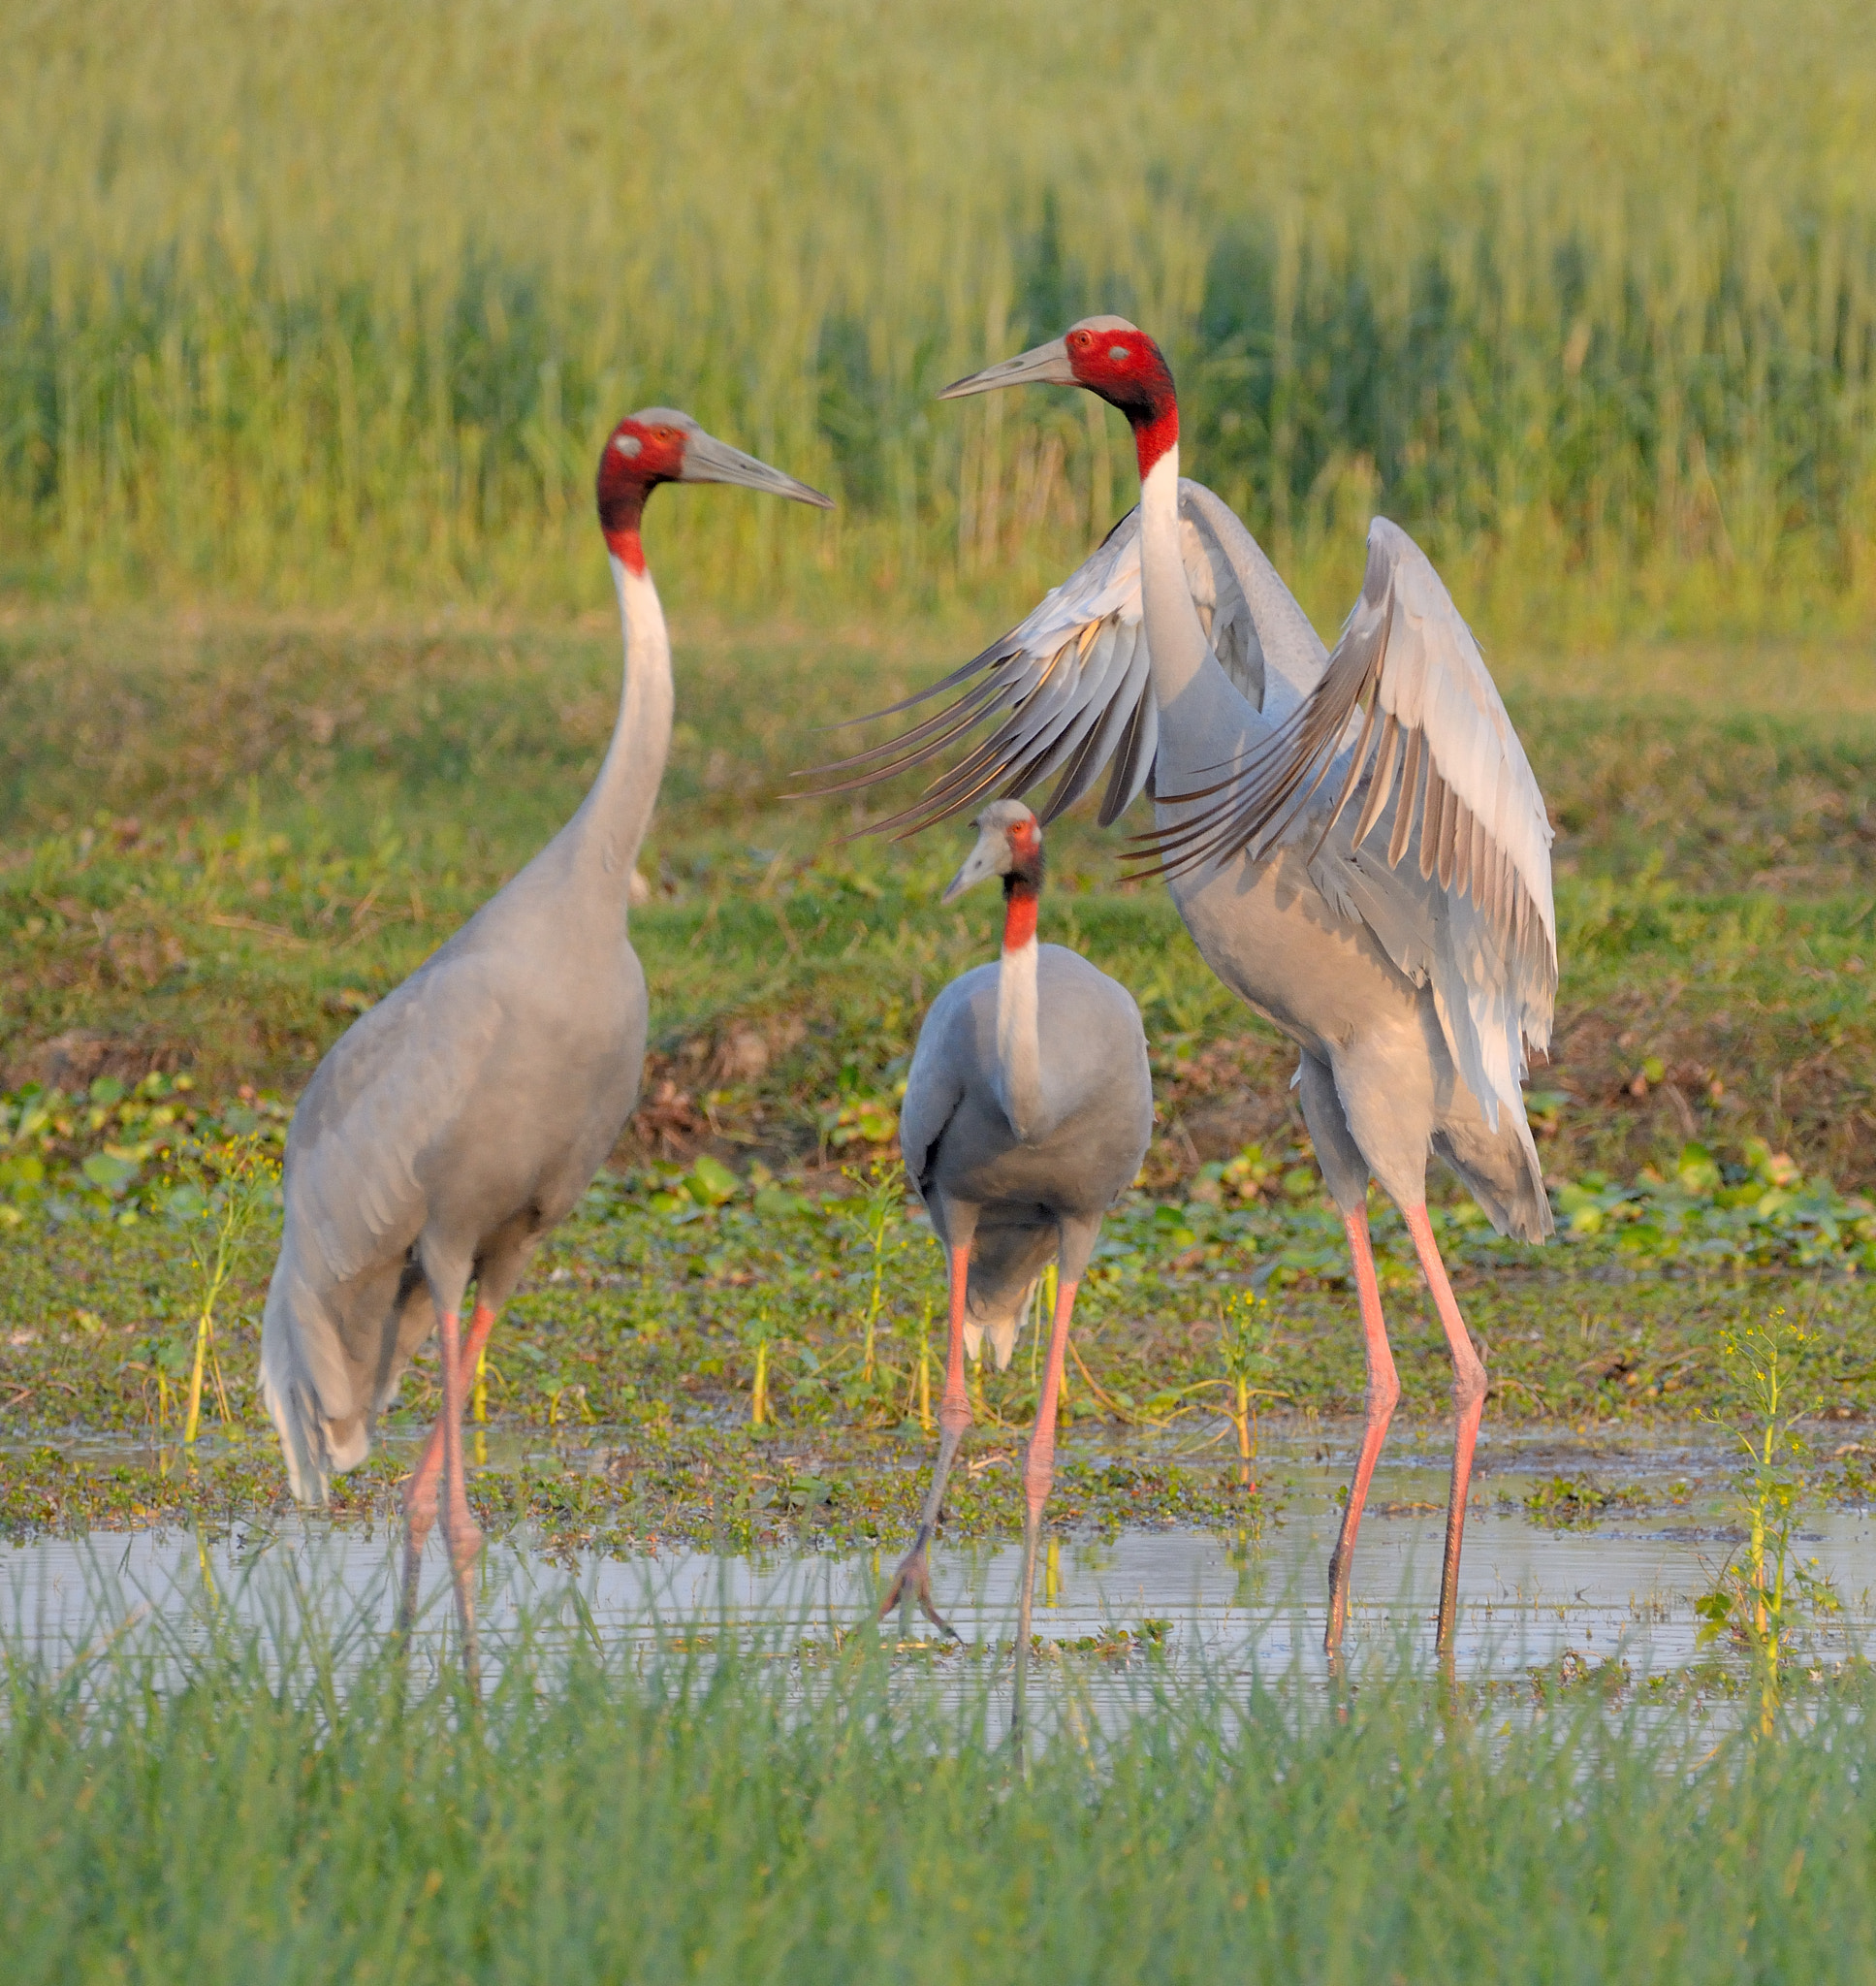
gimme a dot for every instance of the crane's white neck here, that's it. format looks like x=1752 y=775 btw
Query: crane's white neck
x=613 y=819
x=1175 y=637
x=1019 y=1045
x=1203 y=715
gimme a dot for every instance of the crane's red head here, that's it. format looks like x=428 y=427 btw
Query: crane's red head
x=1108 y=356
x=1009 y=845
x=661 y=445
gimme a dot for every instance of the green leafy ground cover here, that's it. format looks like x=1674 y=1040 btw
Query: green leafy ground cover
x=619 y=1391
x=295 y=813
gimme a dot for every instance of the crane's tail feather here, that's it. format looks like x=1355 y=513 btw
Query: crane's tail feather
x=1001 y=1330
x=317 y=1445
x=298 y=1424
x=1006 y=1264
x=1503 y=1173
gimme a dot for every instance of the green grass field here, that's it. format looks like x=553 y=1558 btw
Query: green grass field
x=174 y=1813
x=311 y=302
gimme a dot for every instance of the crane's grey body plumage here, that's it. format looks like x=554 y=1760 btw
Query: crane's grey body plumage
x=458 y=1120
x=1014 y=1201
x=451 y=1127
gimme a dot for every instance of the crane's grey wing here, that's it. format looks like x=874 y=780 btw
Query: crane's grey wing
x=1260 y=635
x=387 y=1093
x=1067 y=692
x=391 y=1088
x=935 y=1087
x=1437 y=760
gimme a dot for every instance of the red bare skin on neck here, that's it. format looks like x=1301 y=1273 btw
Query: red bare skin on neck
x=1019 y=916
x=636 y=459
x=1023 y=885
x=1130 y=371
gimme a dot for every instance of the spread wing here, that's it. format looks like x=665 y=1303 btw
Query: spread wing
x=1437 y=760
x=1067 y=694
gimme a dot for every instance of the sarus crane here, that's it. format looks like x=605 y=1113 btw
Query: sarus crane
x=462 y=1117
x=1029 y=1108
x=1353 y=838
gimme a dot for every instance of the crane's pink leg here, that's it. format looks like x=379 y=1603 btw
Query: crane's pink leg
x=458 y=1527
x=1038 y=1479
x=1468 y=1404
x=1382 y=1392
x=420 y=1492
x=914 y=1578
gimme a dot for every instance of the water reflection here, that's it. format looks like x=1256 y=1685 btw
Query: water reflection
x=1622 y=1588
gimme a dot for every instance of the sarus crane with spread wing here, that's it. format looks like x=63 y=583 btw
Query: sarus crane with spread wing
x=1353 y=838
x=462 y=1117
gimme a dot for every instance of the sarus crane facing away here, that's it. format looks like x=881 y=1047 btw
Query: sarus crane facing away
x=1028 y=1111
x=463 y=1115
x=1354 y=840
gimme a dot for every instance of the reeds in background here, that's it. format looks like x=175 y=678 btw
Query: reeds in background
x=330 y=302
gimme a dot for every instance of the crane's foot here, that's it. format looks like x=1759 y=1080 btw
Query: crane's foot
x=913 y=1582
x=472 y=1657
x=1339 y=1570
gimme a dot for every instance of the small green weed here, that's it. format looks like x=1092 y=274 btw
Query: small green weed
x=1246 y=1326
x=1567 y=1504
x=1764 y=1592
x=220 y=1205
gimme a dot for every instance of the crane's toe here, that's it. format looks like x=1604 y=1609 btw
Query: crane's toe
x=913 y=1581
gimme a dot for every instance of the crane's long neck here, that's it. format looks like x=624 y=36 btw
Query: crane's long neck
x=613 y=819
x=1019 y=1045
x=1202 y=713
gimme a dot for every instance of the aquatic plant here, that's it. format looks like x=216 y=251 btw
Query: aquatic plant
x=1246 y=1323
x=1762 y=1589
x=877 y=1218
x=220 y=1202
x=762 y=1329
x=1758 y=1208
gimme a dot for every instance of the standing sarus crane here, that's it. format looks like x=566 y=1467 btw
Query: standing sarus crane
x=1354 y=840
x=1029 y=1108
x=450 y=1126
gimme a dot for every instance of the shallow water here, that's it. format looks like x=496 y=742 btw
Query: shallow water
x=1530 y=1596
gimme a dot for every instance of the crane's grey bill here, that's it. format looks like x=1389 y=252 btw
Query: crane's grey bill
x=706 y=459
x=1042 y=365
x=990 y=857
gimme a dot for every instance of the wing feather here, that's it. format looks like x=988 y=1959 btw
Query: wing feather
x=1067 y=693
x=1382 y=784
x=1398 y=842
x=1467 y=805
